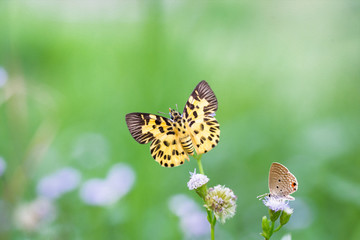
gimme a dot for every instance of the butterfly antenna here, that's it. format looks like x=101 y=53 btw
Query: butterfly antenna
x=177 y=108
x=260 y=197
x=162 y=113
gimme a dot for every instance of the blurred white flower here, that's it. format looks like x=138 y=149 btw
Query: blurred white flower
x=121 y=177
x=58 y=183
x=193 y=221
x=275 y=204
x=181 y=205
x=2 y=166
x=98 y=192
x=222 y=201
x=197 y=180
x=286 y=237
x=32 y=216
x=3 y=77
x=195 y=225
x=119 y=182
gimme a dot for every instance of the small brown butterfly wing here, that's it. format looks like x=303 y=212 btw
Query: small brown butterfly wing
x=282 y=182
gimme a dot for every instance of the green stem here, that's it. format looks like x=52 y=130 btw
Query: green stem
x=213 y=231
x=198 y=159
x=211 y=217
x=212 y=221
x=271 y=230
x=278 y=228
x=272 y=227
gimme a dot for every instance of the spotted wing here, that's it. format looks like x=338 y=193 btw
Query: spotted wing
x=165 y=147
x=167 y=150
x=282 y=182
x=199 y=113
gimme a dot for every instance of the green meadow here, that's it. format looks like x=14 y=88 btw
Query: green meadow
x=286 y=76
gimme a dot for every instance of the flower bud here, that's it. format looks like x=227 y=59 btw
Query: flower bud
x=265 y=224
x=285 y=216
x=274 y=215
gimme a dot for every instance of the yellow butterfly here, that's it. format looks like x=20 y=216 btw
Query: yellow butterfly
x=172 y=140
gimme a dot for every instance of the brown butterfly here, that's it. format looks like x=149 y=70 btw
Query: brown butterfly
x=282 y=182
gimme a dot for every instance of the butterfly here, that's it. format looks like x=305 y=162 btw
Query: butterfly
x=282 y=182
x=174 y=139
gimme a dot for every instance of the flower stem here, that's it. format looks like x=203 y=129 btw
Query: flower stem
x=198 y=159
x=213 y=230
x=278 y=228
x=272 y=228
x=211 y=217
x=212 y=221
x=270 y=232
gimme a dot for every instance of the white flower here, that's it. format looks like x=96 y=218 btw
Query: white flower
x=222 y=201
x=181 y=205
x=32 y=216
x=2 y=166
x=197 y=180
x=3 y=76
x=193 y=221
x=286 y=237
x=275 y=204
x=101 y=192
x=58 y=183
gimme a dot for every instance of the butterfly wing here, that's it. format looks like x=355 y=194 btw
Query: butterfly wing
x=282 y=182
x=199 y=113
x=167 y=150
x=165 y=147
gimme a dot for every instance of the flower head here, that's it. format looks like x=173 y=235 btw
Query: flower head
x=275 y=204
x=222 y=201
x=197 y=180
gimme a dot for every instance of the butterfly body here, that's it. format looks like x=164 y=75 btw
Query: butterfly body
x=181 y=126
x=172 y=140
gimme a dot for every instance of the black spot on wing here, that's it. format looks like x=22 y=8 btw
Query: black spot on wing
x=202 y=91
x=135 y=122
x=191 y=123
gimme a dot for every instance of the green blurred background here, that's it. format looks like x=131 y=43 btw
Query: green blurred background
x=286 y=75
